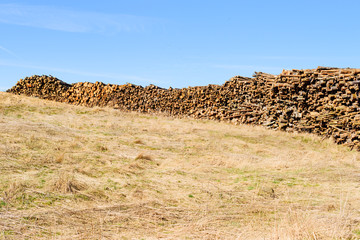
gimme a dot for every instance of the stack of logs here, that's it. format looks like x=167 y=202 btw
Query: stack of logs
x=324 y=101
x=46 y=87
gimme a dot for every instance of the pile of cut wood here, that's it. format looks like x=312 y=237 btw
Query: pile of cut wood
x=46 y=87
x=324 y=101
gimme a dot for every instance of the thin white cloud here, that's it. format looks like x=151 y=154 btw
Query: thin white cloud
x=59 y=19
x=119 y=77
x=8 y=51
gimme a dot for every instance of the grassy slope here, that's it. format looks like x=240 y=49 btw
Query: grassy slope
x=69 y=172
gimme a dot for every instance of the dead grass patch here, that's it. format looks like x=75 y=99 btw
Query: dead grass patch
x=143 y=156
x=69 y=172
x=60 y=158
x=14 y=190
x=138 y=141
x=65 y=182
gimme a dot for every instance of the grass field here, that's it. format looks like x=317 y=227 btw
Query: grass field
x=69 y=172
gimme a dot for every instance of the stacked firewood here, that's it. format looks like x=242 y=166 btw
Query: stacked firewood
x=46 y=87
x=324 y=101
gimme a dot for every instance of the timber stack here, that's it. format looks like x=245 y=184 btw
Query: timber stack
x=46 y=87
x=324 y=101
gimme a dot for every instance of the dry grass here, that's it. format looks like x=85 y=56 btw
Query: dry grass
x=65 y=182
x=144 y=157
x=69 y=172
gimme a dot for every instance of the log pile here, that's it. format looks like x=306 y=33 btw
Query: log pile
x=324 y=101
x=46 y=87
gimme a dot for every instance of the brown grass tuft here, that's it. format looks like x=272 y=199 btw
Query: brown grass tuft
x=60 y=158
x=14 y=190
x=143 y=156
x=138 y=141
x=66 y=183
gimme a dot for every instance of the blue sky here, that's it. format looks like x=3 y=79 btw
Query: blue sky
x=173 y=43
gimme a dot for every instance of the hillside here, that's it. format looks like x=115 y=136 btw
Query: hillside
x=324 y=101
x=71 y=172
